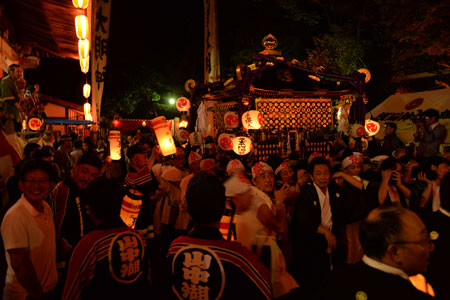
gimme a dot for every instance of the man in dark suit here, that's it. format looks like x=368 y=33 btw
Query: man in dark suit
x=315 y=226
x=396 y=246
x=439 y=227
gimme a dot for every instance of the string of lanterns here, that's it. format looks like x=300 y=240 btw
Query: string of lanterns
x=82 y=31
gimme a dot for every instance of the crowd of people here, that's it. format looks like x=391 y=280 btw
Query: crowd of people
x=207 y=224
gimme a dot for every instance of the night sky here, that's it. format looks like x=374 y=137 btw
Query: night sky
x=166 y=37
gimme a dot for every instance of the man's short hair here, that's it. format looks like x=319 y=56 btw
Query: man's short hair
x=90 y=158
x=389 y=163
x=205 y=198
x=377 y=232
x=318 y=161
x=30 y=148
x=104 y=197
x=431 y=112
x=136 y=149
x=12 y=67
x=35 y=164
x=392 y=125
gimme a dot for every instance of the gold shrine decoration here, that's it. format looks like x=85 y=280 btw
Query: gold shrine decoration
x=290 y=113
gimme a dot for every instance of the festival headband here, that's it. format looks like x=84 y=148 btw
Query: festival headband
x=285 y=164
x=259 y=168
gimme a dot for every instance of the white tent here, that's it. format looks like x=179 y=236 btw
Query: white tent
x=400 y=108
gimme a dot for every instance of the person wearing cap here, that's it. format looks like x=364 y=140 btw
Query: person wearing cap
x=68 y=205
x=356 y=205
x=430 y=134
x=315 y=229
x=235 y=166
x=396 y=246
x=264 y=220
x=203 y=263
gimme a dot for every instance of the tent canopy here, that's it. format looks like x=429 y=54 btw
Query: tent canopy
x=402 y=108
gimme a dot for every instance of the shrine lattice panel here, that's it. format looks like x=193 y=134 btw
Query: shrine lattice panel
x=219 y=113
x=295 y=113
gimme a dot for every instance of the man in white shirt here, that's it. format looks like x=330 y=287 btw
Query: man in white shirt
x=28 y=234
x=396 y=245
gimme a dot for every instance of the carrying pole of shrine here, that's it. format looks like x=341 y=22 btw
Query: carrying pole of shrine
x=211 y=49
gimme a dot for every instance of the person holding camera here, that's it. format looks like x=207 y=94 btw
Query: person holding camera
x=392 y=190
x=429 y=133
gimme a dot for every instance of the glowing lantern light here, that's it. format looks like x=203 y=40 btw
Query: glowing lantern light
x=116 y=123
x=252 y=119
x=80 y=3
x=86 y=90
x=231 y=119
x=183 y=124
x=83 y=48
x=372 y=127
x=144 y=123
x=88 y=117
x=242 y=145
x=87 y=108
x=131 y=205
x=81 y=26
x=162 y=132
x=84 y=64
x=358 y=131
x=114 y=142
x=225 y=141
x=183 y=104
x=195 y=139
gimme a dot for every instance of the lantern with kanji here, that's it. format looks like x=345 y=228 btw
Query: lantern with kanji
x=81 y=27
x=231 y=119
x=163 y=135
x=225 y=141
x=358 y=131
x=252 y=119
x=372 y=127
x=115 y=144
x=183 y=104
x=242 y=145
x=86 y=90
x=195 y=139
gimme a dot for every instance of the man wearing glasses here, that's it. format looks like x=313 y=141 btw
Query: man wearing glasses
x=396 y=246
x=28 y=233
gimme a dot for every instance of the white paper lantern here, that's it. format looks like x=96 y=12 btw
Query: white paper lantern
x=252 y=119
x=372 y=127
x=183 y=104
x=182 y=135
x=242 y=145
x=358 y=131
x=115 y=144
x=225 y=141
x=163 y=135
x=131 y=205
x=231 y=119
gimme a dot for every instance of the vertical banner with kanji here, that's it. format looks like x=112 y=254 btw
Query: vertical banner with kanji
x=211 y=59
x=100 y=33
